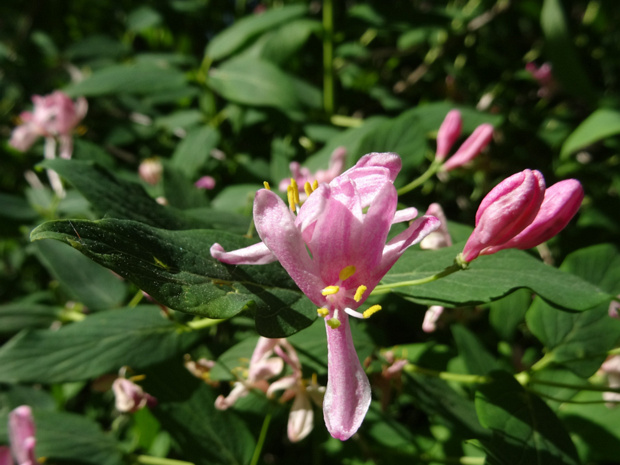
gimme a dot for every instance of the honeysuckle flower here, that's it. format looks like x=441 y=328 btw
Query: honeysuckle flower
x=614 y=308
x=449 y=132
x=53 y=115
x=336 y=252
x=130 y=397
x=611 y=367
x=151 y=170
x=544 y=76
x=264 y=365
x=431 y=316
x=513 y=214
x=441 y=237
x=302 y=175
x=205 y=182
x=5 y=456
x=22 y=435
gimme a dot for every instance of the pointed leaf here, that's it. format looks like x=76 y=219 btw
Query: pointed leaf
x=599 y=125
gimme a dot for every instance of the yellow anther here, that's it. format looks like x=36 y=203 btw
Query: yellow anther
x=346 y=272
x=330 y=290
x=322 y=312
x=371 y=311
x=315 y=185
x=137 y=378
x=295 y=191
x=334 y=323
x=308 y=188
x=359 y=293
x=267 y=186
x=291 y=198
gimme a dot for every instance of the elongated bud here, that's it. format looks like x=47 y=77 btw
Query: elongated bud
x=448 y=133
x=561 y=203
x=505 y=211
x=471 y=148
x=22 y=434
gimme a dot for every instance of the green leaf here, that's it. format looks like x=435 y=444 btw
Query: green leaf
x=283 y=43
x=180 y=191
x=185 y=408
x=17 y=316
x=75 y=439
x=478 y=359
x=256 y=82
x=176 y=268
x=525 y=430
x=506 y=314
x=118 y=198
x=580 y=341
x=489 y=278
x=559 y=47
x=599 y=125
x=142 y=79
x=194 y=150
x=85 y=281
x=245 y=29
x=16 y=208
x=100 y=344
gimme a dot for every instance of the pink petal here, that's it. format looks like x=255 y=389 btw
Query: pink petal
x=257 y=254
x=561 y=203
x=23 y=137
x=441 y=237
x=506 y=211
x=430 y=318
x=282 y=384
x=472 y=146
x=21 y=434
x=371 y=172
x=406 y=214
x=276 y=227
x=238 y=391
x=205 y=182
x=347 y=397
x=5 y=456
x=448 y=133
x=300 y=419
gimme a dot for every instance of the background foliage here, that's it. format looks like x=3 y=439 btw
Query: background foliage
x=237 y=90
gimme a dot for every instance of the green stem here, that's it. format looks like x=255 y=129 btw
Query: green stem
x=547 y=359
x=136 y=299
x=446 y=376
x=346 y=121
x=149 y=460
x=204 y=323
x=432 y=169
x=454 y=460
x=328 y=56
x=261 y=439
x=385 y=288
x=575 y=387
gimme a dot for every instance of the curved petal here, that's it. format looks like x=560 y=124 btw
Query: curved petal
x=406 y=214
x=347 y=397
x=238 y=391
x=257 y=254
x=276 y=227
x=448 y=133
x=470 y=149
x=301 y=418
x=21 y=434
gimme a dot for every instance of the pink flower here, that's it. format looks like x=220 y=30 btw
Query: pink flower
x=22 y=435
x=431 y=317
x=544 y=76
x=5 y=456
x=611 y=367
x=151 y=170
x=54 y=115
x=441 y=237
x=264 y=365
x=520 y=213
x=449 y=132
x=206 y=182
x=335 y=250
x=303 y=175
x=130 y=397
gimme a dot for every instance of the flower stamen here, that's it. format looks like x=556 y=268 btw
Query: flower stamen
x=322 y=312
x=334 y=322
x=346 y=272
x=330 y=290
x=371 y=311
x=359 y=293
x=308 y=188
x=267 y=186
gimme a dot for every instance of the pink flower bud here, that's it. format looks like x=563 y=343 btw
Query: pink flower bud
x=150 y=170
x=448 y=133
x=506 y=211
x=206 y=182
x=560 y=204
x=472 y=146
x=22 y=435
x=441 y=236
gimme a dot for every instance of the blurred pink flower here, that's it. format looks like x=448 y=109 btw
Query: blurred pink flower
x=54 y=115
x=520 y=213
x=5 y=456
x=205 y=182
x=130 y=397
x=151 y=170
x=544 y=76
x=431 y=317
x=440 y=237
x=22 y=435
x=450 y=131
x=303 y=175
x=611 y=367
x=335 y=250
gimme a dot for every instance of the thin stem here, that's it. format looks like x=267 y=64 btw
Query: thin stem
x=261 y=439
x=586 y=387
x=432 y=169
x=446 y=376
x=346 y=121
x=150 y=460
x=204 y=323
x=136 y=299
x=328 y=56
x=384 y=288
x=547 y=359
x=454 y=460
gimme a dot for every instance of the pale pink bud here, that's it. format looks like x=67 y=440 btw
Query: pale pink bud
x=560 y=204
x=130 y=397
x=611 y=367
x=470 y=149
x=205 y=182
x=22 y=435
x=440 y=237
x=150 y=170
x=301 y=418
x=448 y=133
x=430 y=318
x=614 y=308
x=505 y=211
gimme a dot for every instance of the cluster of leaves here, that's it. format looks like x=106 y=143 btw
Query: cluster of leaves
x=238 y=90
